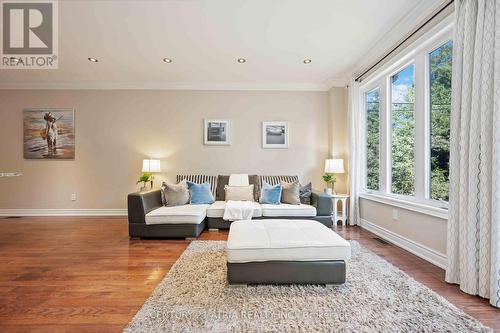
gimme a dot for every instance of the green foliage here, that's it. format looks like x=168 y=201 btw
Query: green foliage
x=373 y=141
x=403 y=147
x=146 y=177
x=329 y=178
x=440 y=83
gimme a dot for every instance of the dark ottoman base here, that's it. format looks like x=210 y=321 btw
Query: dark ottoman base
x=287 y=272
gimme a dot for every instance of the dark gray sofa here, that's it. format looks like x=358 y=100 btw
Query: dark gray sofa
x=142 y=203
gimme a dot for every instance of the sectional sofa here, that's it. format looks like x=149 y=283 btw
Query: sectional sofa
x=149 y=218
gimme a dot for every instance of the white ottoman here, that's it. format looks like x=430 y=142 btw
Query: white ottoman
x=285 y=251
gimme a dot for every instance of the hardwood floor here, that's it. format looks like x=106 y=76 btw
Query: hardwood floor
x=76 y=274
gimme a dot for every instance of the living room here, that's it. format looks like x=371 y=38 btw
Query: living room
x=250 y=166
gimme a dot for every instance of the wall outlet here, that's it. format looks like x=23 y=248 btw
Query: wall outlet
x=73 y=197
x=395 y=214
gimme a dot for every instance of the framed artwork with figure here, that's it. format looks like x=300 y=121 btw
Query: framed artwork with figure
x=49 y=134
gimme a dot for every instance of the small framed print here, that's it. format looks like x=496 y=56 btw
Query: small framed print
x=217 y=132
x=275 y=134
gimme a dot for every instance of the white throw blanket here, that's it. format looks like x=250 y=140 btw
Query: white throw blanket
x=238 y=210
x=238 y=180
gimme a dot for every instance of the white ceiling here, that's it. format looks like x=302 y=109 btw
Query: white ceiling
x=204 y=39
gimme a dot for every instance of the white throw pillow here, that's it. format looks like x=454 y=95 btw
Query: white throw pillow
x=239 y=193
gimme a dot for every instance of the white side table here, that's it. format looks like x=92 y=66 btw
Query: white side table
x=335 y=214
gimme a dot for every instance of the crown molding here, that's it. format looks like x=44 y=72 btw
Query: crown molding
x=422 y=10
x=336 y=82
x=116 y=85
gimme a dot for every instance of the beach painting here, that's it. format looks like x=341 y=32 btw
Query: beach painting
x=49 y=134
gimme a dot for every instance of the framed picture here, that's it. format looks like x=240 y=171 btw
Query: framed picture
x=275 y=134
x=49 y=134
x=217 y=132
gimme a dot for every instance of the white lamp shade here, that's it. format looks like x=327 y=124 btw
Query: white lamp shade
x=151 y=166
x=334 y=165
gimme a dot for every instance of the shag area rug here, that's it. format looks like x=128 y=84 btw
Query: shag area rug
x=377 y=297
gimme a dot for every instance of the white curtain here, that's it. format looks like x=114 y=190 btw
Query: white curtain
x=354 y=151
x=474 y=218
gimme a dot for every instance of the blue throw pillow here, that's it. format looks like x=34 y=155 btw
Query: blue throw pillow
x=200 y=194
x=270 y=194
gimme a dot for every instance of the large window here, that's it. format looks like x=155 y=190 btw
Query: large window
x=373 y=140
x=440 y=107
x=406 y=126
x=403 y=132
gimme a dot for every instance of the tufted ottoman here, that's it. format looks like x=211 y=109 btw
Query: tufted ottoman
x=285 y=251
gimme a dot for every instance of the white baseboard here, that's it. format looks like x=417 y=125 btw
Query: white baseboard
x=422 y=251
x=63 y=212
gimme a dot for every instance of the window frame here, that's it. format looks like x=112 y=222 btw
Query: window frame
x=418 y=54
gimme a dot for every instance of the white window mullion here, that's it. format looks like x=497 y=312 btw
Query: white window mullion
x=385 y=136
x=421 y=133
x=363 y=137
x=427 y=128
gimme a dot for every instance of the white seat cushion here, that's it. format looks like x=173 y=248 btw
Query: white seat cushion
x=284 y=240
x=217 y=209
x=288 y=210
x=186 y=214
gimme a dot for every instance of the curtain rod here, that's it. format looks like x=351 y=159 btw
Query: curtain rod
x=404 y=41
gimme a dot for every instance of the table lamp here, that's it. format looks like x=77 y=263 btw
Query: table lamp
x=150 y=167
x=333 y=166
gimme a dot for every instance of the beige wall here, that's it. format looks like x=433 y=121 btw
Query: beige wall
x=423 y=229
x=115 y=130
x=338 y=143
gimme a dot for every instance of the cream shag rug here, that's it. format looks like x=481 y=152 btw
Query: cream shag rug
x=377 y=297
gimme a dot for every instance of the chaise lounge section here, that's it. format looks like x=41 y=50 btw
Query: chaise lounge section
x=148 y=218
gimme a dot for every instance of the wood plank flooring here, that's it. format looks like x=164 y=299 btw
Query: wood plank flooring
x=75 y=274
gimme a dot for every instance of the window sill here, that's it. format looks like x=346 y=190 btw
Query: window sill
x=409 y=205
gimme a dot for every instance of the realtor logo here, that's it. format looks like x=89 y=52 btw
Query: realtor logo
x=29 y=34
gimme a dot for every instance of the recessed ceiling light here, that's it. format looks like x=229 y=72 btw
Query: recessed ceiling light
x=93 y=60
x=167 y=60
x=307 y=61
x=242 y=60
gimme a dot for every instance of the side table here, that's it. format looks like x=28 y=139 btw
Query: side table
x=335 y=214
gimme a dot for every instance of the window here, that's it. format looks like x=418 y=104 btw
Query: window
x=406 y=124
x=403 y=132
x=440 y=107
x=372 y=140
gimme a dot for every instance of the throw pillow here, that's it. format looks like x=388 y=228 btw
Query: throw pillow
x=270 y=194
x=175 y=194
x=290 y=193
x=200 y=193
x=239 y=193
x=305 y=194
